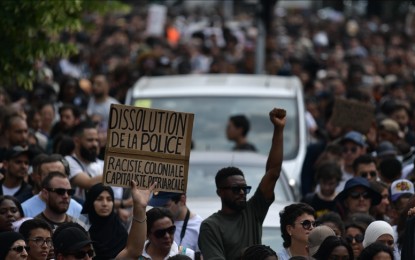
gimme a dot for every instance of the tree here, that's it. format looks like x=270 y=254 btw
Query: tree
x=30 y=31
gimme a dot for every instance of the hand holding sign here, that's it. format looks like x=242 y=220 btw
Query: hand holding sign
x=141 y=197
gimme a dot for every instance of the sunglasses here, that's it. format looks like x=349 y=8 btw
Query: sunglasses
x=61 y=191
x=307 y=224
x=81 y=254
x=358 y=238
x=356 y=195
x=162 y=232
x=40 y=241
x=19 y=249
x=366 y=174
x=349 y=149
x=237 y=189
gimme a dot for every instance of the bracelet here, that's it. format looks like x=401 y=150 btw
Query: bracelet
x=140 y=221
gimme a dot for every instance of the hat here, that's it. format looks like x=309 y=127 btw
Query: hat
x=385 y=148
x=359 y=182
x=317 y=236
x=70 y=239
x=16 y=151
x=354 y=137
x=160 y=199
x=391 y=126
x=375 y=230
x=6 y=241
x=401 y=187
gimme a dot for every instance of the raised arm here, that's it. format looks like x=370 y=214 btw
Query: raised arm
x=83 y=180
x=275 y=157
x=138 y=231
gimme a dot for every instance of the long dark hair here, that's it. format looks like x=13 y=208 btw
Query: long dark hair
x=329 y=244
x=373 y=249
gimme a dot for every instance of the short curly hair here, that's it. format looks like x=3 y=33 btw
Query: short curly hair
x=226 y=172
x=288 y=217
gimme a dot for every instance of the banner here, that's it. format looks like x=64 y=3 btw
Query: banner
x=353 y=115
x=148 y=145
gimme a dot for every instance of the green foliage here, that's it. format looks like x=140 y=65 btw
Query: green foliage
x=30 y=31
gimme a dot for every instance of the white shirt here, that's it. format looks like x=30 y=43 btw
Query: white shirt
x=35 y=205
x=92 y=169
x=10 y=191
x=174 y=250
x=192 y=232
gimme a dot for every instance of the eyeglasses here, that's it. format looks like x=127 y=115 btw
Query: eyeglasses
x=371 y=173
x=350 y=149
x=81 y=254
x=61 y=191
x=162 y=232
x=307 y=224
x=19 y=249
x=358 y=238
x=358 y=195
x=237 y=189
x=40 y=241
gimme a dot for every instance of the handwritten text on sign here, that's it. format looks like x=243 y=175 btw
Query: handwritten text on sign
x=147 y=130
x=148 y=145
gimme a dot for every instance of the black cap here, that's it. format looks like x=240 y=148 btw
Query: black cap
x=70 y=240
x=16 y=151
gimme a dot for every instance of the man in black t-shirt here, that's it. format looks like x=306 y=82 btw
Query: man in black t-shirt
x=328 y=176
x=238 y=224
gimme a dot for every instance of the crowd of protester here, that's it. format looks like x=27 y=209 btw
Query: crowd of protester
x=360 y=185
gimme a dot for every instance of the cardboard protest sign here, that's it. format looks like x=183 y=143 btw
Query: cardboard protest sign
x=148 y=145
x=353 y=114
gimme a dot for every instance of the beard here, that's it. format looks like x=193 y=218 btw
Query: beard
x=99 y=95
x=235 y=205
x=89 y=155
x=58 y=209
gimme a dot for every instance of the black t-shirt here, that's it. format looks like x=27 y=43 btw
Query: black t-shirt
x=245 y=147
x=320 y=206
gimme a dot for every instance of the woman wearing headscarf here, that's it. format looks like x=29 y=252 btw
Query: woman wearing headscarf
x=12 y=246
x=107 y=231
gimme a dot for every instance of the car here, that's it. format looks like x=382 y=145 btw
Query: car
x=214 y=98
x=201 y=190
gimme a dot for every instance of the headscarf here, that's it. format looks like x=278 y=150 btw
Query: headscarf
x=6 y=241
x=108 y=233
x=375 y=230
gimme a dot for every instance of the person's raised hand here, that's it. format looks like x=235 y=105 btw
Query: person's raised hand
x=277 y=117
x=141 y=197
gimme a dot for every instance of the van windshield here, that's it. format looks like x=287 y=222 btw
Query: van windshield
x=212 y=113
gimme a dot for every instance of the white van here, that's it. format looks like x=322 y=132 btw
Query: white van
x=213 y=98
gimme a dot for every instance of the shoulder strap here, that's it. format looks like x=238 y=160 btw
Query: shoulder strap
x=80 y=164
x=183 y=232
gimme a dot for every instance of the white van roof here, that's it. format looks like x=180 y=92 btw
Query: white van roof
x=219 y=84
